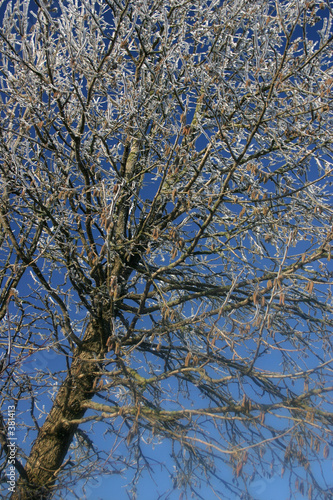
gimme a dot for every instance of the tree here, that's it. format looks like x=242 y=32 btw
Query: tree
x=166 y=219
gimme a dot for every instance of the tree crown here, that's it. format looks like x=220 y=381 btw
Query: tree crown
x=166 y=219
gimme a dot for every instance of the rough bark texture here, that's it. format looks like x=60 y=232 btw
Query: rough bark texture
x=55 y=436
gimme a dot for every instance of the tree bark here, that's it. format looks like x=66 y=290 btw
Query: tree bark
x=56 y=434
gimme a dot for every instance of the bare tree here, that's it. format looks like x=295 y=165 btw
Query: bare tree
x=166 y=218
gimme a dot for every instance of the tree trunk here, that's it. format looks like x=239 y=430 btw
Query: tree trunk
x=55 y=436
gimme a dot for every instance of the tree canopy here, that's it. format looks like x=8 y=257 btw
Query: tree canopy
x=166 y=226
